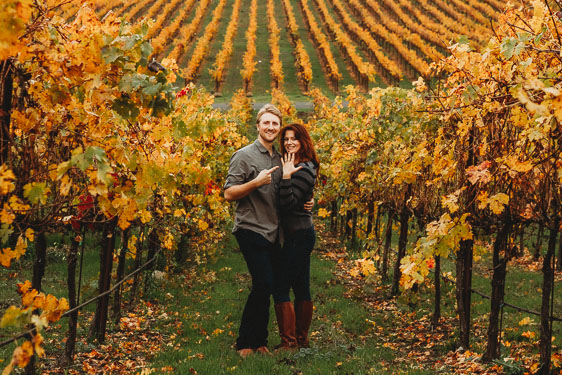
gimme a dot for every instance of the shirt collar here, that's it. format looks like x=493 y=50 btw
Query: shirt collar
x=263 y=149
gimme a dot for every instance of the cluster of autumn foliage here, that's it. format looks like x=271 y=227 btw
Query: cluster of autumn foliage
x=97 y=138
x=473 y=154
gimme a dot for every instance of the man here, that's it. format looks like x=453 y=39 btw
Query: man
x=252 y=181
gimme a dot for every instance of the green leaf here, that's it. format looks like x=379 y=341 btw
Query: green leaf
x=95 y=153
x=5 y=232
x=35 y=192
x=62 y=168
x=146 y=50
x=508 y=47
x=524 y=37
x=152 y=90
x=132 y=82
x=111 y=54
x=180 y=128
x=80 y=161
x=463 y=39
x=125 y=108
x=103 y=173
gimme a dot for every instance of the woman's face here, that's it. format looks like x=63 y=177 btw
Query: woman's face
x=290 y=142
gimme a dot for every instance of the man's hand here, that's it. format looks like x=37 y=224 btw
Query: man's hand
x=237 y=192
x=264 y=177
x=309 y=205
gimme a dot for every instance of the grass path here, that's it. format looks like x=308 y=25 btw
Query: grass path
x=203 y=322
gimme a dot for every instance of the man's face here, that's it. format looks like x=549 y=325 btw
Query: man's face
x=269 y=127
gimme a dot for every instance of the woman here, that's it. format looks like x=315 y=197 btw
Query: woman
x=292 y=264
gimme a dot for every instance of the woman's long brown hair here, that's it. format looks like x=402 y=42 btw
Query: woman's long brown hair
x=306 y=152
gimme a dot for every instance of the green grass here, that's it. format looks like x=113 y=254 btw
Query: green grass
x=209 y=314
x=203 y=312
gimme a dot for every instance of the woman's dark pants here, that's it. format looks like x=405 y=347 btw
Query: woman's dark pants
x=292 y=266
x=257 y=253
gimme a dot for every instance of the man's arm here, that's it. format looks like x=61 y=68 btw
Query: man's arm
x=236 y=192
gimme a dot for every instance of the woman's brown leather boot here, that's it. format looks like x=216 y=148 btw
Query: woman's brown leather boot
x=285 y=313
x=303 y=315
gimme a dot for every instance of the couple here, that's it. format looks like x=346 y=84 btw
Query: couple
x=274 y=195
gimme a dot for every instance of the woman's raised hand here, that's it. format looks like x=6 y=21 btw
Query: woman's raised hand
x=288 y=161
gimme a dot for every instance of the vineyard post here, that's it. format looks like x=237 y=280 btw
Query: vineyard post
x=6 y=87
x=560 y=253
x=521 y=238
x=181 y=252
x=40 y=260
x=378 y=224
x=334 y=216
x=437 y=282
x=538 y=244
x=341 y=221
x=72 y=260
x=354 y=228
x=545 y=344
x=99 y=323
x=153 y=246
x=116 y=310
x=387 y=244
x=346 y=228
x=402 y=240
x=498 y=291
x=138 y=260
x=370 y=217
x=465 y=253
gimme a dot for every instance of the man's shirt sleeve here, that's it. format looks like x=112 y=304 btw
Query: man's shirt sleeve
x=238 y=170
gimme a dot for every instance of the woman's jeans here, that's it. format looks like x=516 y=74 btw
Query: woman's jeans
x=257 y=253
x=291 y=266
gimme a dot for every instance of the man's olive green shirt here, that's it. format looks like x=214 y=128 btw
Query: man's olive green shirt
x=257 y=211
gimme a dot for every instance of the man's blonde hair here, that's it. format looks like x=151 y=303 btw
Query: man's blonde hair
x=269 y=108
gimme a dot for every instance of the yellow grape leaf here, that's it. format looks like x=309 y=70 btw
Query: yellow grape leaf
x=39 y=321
x=322 y=212
x=526 y=320
x=450 y=201
x=38 y=345
x=203 y=225
x=497 y=202
x=168 y=242
x=21 y=246
x=22 y=355
x=529 y=334
x=30 y=234
x=65 y=185
x=6 y=256
x=14 y=316
x=132 y=253
x=482 y=199
x=179 y=213
x=7 y=179
x=7 y=217
x=145 y=216
x=28 y=297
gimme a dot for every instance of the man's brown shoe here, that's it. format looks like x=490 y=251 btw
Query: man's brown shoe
x=263 y=350
x=245 y=352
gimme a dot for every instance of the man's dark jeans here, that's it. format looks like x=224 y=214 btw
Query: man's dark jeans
x=291 y=266
x=257 y=253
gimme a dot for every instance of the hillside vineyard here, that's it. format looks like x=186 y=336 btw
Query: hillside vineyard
x=294 y=45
